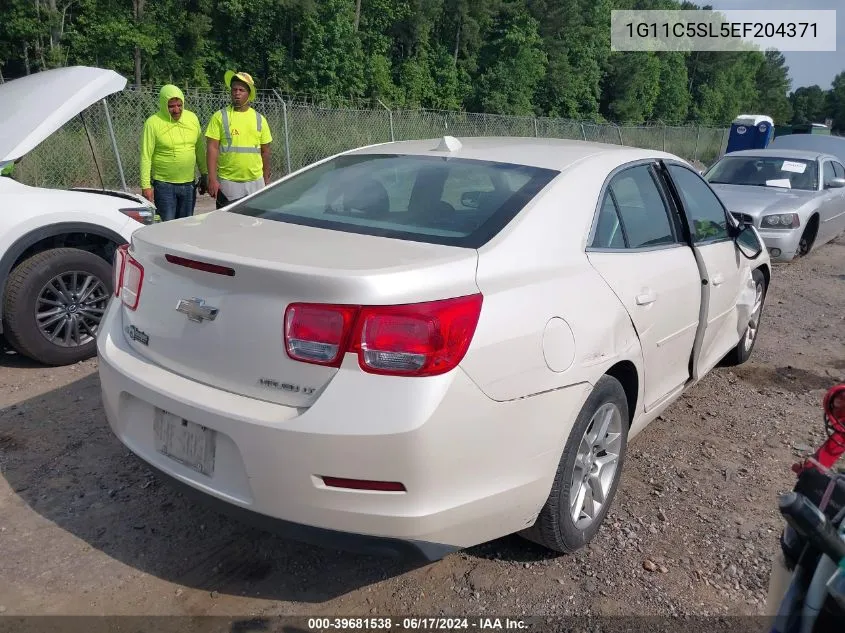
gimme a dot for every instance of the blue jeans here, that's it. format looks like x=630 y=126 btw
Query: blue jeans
x=174 y=201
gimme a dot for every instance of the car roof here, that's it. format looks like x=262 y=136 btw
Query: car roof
x=822 y=144
x=780 y=153
x=546 y=153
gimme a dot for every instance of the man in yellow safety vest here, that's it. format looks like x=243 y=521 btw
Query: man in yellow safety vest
x=238 y=141
x=172 y=149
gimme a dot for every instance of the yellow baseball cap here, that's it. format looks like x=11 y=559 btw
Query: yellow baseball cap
x=244 y=77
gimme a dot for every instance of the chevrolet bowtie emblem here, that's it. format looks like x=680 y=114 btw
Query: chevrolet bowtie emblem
x=196 y=310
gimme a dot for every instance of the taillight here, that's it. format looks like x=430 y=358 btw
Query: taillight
x=419 y=339
x=117 y=270
x=128 y=277
x=318 y=333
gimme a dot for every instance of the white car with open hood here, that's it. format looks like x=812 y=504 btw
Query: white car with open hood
x=57 y=246
x=421 y=346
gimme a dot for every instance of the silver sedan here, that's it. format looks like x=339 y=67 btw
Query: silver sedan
x=795 y=198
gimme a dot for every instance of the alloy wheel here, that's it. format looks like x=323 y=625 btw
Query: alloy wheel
x=596 y=465
x=69 y=308
x=754 y=318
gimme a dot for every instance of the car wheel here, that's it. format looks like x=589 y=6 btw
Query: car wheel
x=805 y=244
x=588 y=473
x=742 y=352
x=53 y=305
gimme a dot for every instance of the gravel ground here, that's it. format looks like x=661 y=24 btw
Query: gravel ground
x=86 y=529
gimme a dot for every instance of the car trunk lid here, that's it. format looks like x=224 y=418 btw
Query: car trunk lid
x=216 y=287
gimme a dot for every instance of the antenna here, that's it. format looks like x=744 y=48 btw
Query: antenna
x=449 y=144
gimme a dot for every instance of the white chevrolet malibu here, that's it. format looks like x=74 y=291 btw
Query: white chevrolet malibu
x=420 y=346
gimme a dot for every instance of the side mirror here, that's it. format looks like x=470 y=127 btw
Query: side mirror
x=747 y=242
x=835 y=183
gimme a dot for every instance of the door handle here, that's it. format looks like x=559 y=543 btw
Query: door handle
x=718 y=279
x=646 y=298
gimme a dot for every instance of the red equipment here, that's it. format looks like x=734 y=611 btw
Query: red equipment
x=834 y=423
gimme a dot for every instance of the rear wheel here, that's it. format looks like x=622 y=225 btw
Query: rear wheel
x=588 y=473
x=742 y=352
x=53 y=305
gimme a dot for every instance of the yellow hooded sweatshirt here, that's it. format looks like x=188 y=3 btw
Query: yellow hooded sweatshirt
x=171 y=150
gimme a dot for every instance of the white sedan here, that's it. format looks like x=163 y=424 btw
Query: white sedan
x=420 y=346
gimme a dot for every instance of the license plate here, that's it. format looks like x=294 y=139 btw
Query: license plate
x=184 y=441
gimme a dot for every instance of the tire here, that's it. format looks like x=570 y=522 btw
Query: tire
x=46 y=283
x=808 y=238
x=555 y=527
x=742 y=352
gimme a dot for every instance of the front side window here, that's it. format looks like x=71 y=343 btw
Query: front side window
x=709 y=221
x=450 y=201
x=829 y=174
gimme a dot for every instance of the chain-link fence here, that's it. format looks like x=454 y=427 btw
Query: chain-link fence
x=304 y=132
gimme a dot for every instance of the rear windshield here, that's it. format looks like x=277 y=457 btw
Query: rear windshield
x=450 y=201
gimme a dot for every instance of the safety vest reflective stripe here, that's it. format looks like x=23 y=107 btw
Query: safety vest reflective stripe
x=228 y=147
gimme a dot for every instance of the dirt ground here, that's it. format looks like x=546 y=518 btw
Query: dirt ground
x=86 y=529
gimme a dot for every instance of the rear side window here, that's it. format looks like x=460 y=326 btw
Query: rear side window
x=609 y=229
x=641 y=208
x=450 y=201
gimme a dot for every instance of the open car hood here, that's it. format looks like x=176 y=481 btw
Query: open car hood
x=37 y=105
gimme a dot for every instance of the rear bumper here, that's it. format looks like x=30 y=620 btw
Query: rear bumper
x=407 y=550
x=474 y=469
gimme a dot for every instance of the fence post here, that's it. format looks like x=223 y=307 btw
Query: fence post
x=697 y=139
x=287 y=135
x=114 y=146
x=619 y=129
x=536 y=133
x=583 y=132
x=389 y=116
x=664 y=137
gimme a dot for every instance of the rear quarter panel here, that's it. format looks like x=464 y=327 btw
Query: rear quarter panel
x=536 y=272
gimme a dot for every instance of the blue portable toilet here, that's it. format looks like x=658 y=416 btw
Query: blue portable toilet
x=750 y=131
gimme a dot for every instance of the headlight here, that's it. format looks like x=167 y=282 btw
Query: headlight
x=144 y=215
x=780 y=221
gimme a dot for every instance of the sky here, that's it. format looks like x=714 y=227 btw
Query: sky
x=805 y=68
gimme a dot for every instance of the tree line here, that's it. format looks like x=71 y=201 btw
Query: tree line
x=524 y=57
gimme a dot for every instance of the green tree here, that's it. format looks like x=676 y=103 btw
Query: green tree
x=773 y=86
x=20 y=29
x=673 y=100
x=511 y=64
x=836 y=103
x=808 y=105
x=331 y=59
x=576 y=34
x=635 y=81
